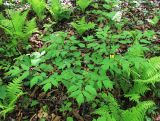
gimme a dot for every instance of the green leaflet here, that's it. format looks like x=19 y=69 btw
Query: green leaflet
x=58 y=11
x=13 y=92
x=82 y=26
x=83 y=4
x=38 y=7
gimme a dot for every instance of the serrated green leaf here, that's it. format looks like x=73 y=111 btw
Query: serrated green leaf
x=75 y=93
x=80 y=99
x=83 y=4
x=24 y=75
x=99 y=84
x=2 y=92
x=72 y=88
x=33 y=81
x=91 y=90
x=24 y=67
x=108 y=84
x=69 y=119
x=47 y=87
x=54 y=82
x=88 y=96
x=46 y=67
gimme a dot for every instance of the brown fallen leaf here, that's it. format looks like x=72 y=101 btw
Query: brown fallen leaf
x=77 y=115
x=41 y=95
x=34 y=91
x=19 y=117
x=55 y=117
x=42 y=114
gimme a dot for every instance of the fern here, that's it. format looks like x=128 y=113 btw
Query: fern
x=137 y=113
x=58 y=11
x=1 y=2
x=136 y=91
x=111 y=110
x=18 y=29
x=149 y=75
x=83 y=4
x=82 y=26
x=17 y=26
x=155 y=62
x=137 y=50
x=151 y=80
x=38 y=7
x=15 y=23
x=14 y=91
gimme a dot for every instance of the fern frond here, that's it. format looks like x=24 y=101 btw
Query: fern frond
x=14 y=25
x=151 y=80
x=17 y=20
x=30 y=27
x=137 y=113
x=14 y=90
x=151 y=68
x=113 y=107
x=6 y=110
x=155 y=61
x=38 y=7
x=104 y=113
x=136 y=91
x=136 y=50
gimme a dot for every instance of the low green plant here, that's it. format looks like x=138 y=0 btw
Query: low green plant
x=58 y=11
x=105 y=71
x=18 y=29
x=154 y=21
x=16 y=24
x=38 y=7
x=66 y=107
x=11 y=93
x=111 y=110
x=83 y=4
x=82 y=26
x=1 y=1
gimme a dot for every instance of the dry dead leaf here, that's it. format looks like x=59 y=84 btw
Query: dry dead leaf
x=55 y=117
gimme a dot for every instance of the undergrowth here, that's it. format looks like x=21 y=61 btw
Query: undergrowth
x=96 y=61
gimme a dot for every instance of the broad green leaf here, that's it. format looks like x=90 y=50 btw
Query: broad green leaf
x=74 y=94
x=54 y=82
x=34 y=81
x=108 y=84
x=102 y=119
x=72 y=88
x=99 y=84
x=47 y=87
x=24 y=75
x=46 y=67
x=80 y=99
x=24 y=67
x=84 y=4
x=1 y=1
x=153 y=21
x=3 y=92
x=88 y=96
x=69 y=119
x=91 y=90
x=14 y=71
